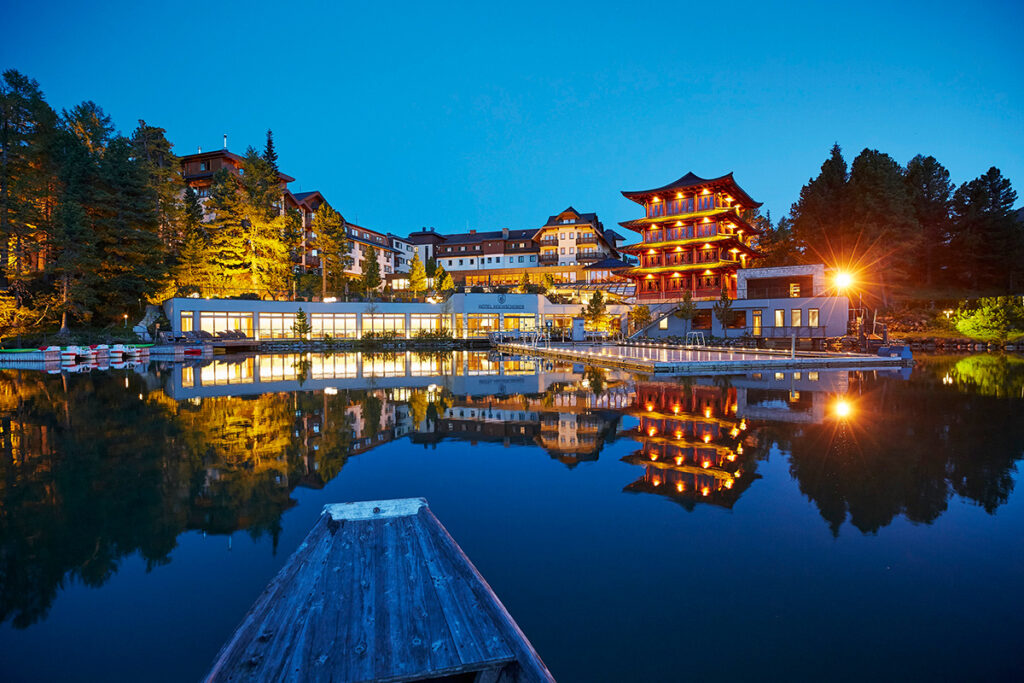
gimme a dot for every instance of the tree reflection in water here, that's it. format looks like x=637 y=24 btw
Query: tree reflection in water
x=908 y=447
x=96 y=467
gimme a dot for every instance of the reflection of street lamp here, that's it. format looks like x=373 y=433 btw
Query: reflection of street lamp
x=842 y=408
x=126 y=321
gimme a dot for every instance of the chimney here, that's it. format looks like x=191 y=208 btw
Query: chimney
x=225 y=140
x=472 y=232
x=504 y=233
x=199 y=149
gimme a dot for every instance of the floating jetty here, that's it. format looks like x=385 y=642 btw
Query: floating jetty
x=378 y=591
x=683 y=360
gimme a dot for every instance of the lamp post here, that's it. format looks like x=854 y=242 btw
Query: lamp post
x=126 y=321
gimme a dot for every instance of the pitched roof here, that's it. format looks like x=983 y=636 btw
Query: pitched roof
x=608 y=264
x=692 y=180
x=468 y=238
x=582 y=217
x=611 y=235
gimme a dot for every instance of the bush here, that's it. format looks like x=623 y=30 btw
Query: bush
x=994 y=319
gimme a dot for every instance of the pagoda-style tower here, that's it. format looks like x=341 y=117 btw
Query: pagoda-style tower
x=694 y=237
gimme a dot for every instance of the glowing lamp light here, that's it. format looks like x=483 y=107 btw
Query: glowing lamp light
x=842 y=408
x=652 y=431
x=679 y=195
x=654 y=457
x=706 y=464
x=728 y=483
x=680 y=486
x=707 y=438
x=843 y=280
x=679 y=460
x=705 y=491
x=656 y=481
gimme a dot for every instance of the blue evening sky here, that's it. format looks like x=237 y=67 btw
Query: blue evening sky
x=492 y=115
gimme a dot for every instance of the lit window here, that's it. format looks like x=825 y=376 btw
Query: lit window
x=812 y=317
x=780 y=317
x=795 y=317
x=663 y=323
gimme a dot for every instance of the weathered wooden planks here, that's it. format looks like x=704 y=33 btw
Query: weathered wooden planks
x=378 y=591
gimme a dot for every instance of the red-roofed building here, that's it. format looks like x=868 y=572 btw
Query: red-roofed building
x=694 y=237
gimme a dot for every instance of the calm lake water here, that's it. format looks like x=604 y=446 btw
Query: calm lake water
x=830 y=525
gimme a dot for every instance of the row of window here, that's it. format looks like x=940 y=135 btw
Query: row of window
x=345 y=325
x=796 y=318
x=679 y=206
x=496 y=260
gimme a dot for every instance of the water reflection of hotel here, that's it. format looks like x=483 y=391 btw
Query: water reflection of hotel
x=570 y=421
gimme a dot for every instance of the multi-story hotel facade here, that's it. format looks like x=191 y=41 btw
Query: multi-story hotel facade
x=393 y=253
x=566 y=248
x=695 y=236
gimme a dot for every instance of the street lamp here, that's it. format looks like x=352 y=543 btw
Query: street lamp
x=126 y=321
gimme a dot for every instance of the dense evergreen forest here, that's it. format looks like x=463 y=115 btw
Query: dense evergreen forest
x=94 y=224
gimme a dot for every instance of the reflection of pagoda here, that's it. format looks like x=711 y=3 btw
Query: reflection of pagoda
x=693 y=447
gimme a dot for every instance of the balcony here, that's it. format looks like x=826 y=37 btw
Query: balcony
x=589 y=256
x=548 y=259
x=590 y=239
x=547 y=242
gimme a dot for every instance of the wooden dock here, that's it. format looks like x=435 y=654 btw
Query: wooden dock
x=378 y=591
x=730 y=360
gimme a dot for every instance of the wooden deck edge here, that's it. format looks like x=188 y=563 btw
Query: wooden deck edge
x=374 y=509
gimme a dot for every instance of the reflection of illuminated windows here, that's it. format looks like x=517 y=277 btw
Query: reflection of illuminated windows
x=334 y=366
x=480 y=364
x=384 y=366
x=188 y=377
x=427 y=365
x=221 y=373
x=278 y=367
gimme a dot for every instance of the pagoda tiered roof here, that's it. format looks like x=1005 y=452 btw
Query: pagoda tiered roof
x=638 y=224
x=641 y=247
x=692 y=182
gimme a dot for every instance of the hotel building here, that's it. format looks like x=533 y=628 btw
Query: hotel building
x=198 y=171
x=695 y=236
x=566 y=248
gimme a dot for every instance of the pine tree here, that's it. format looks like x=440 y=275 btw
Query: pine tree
x=371 y=270
x=987 y=240
x=524 y=283
x=227 y=233
x=152 y=151
x=333 y=246
x=930 y=196
x=723 y=311
x=417 y=275
x=192 y=212
x=443 y=280
x=887 y=234
x=819 y=215
x=431 y=266
x=301 y=328
x=28 y=132
x=269 y=153
x=687 y=309
x=127 y=232
x=594 y=313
